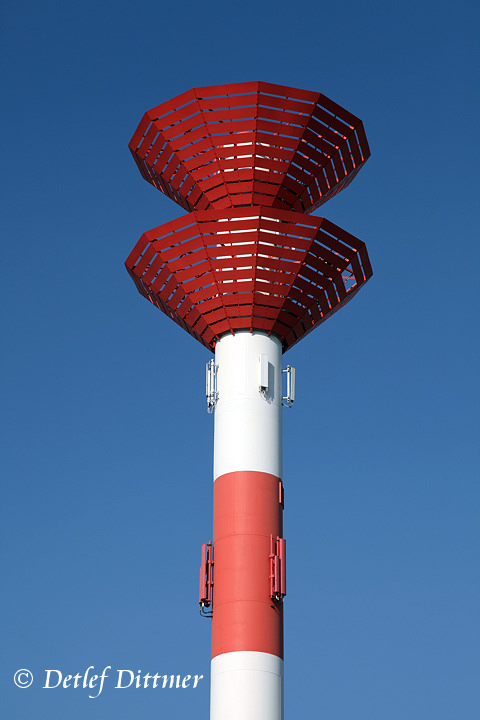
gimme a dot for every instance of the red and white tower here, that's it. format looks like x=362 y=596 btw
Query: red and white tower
x=247 y=272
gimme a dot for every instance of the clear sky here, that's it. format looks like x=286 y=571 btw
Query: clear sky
x=106 y=442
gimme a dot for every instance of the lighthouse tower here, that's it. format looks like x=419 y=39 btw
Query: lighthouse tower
x=248 y=273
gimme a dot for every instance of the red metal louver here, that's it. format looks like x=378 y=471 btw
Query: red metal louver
x=218 y=271
x=250 y=161
x=249 y=144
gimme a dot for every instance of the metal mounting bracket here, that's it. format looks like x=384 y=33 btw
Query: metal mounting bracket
x=278 y=585
x=211 y=385
x=206 y=580
x=289 y=398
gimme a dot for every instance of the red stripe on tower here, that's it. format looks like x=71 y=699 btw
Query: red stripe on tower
x=247 y=518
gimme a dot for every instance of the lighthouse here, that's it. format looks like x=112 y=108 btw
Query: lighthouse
x=248 y=272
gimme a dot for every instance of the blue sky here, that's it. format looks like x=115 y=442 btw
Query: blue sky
x=106 y=442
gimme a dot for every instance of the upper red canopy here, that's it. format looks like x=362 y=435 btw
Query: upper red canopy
x=249 y=144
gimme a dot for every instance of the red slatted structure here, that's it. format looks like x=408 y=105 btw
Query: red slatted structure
x=249 y=162
x=215 y=271
x=249 y=144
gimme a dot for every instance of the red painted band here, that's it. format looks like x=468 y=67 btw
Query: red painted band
x=246 y=511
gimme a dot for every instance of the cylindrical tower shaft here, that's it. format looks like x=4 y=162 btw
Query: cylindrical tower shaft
x=247 y=625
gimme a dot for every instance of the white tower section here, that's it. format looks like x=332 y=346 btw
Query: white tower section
x=248 y=414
